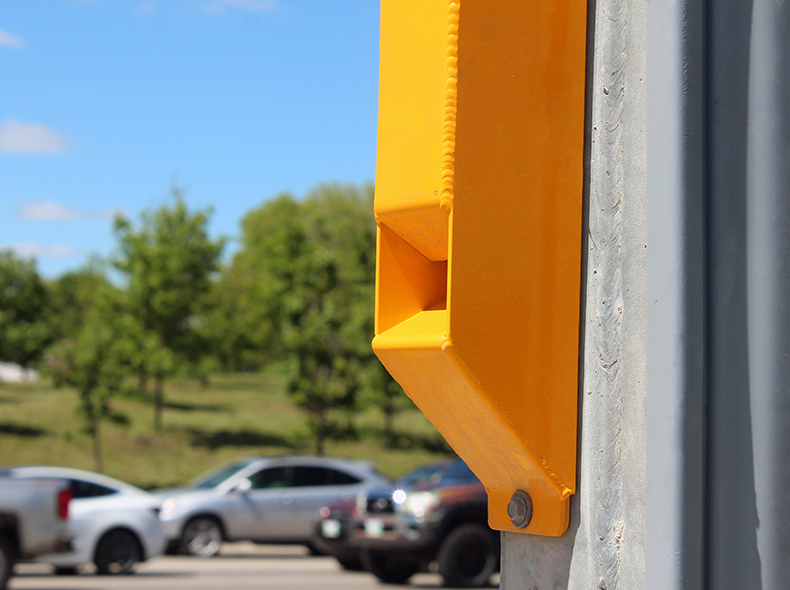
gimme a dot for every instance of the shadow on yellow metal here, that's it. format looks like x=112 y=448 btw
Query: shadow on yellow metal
x=479 y=205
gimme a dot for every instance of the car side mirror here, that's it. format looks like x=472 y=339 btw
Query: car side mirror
x=244 y=486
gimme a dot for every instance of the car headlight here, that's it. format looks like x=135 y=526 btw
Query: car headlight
x=418 y=504
x=362 y=502
x=168 y=507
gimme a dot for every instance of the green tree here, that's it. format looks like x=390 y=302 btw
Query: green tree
x=147 y=355
x=168 y=262
x=382 y=391
x=96 y=364
x=72 y=295
x=301 y=289
x=246 y=318
x=328 y=306
x=236 y=325
x=24 y=328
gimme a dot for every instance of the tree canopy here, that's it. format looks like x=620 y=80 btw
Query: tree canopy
x=71 y=297
x=96 y=363
x=305 y=274
x=168 y=262
x=24 y=323
x=299 y=292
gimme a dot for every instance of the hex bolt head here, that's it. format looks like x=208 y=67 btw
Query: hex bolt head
x=519 y=509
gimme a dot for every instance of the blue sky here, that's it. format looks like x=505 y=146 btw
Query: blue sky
x=105 y=104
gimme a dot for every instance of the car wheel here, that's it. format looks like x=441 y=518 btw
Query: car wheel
x=389 y=567
x=468 y=556
x=351 y=564
x=314 y=551
x=6 y=560
x=117 y=553
x=202 y=537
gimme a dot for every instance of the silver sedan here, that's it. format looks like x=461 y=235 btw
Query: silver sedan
x=261 y=499
x=114 y=525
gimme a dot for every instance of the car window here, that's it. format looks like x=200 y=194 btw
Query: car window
x=214 y=478
x=340 y=478
x=310 y=476
x=425 y=474
x=87 y=489
x=321 y=476
x=270 y=478
x=459 y=473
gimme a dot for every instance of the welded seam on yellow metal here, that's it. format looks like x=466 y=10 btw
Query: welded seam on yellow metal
x=407 y=207
x=450 y=110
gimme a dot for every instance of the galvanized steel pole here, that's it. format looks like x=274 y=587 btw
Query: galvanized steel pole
x=748 y=243
x=684 y=478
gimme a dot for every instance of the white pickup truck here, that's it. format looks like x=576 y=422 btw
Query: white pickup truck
x=33 y=515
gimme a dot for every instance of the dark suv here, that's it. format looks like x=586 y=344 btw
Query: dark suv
x=444 y=522
x=337 y=520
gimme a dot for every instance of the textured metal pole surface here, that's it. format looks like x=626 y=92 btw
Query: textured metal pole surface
x=715 y=510
x=675 y=350
x=768 y=245
x=731 y=543
x=604 y=547
x=718 y=505
x=748 y=518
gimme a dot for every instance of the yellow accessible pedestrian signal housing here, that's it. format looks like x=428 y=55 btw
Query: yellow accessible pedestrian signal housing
x=479 y=205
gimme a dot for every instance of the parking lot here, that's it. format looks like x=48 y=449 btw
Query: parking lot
x=240 y=566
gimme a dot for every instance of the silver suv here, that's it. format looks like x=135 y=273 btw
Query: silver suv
x=261 y=499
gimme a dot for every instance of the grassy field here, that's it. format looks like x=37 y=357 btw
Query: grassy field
x=235 y=416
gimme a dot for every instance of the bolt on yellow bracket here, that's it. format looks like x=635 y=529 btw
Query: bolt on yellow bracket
x=479 y=205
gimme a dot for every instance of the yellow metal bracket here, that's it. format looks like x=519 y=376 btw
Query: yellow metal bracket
x=479 y=205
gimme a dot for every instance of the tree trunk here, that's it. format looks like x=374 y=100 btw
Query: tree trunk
x=98 y=466
x=389 y=425
x=159 y=401
x=142 y=382
x=320 y=434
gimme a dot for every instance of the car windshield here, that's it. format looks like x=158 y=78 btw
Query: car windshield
x=213 y=478
x=427 y=473
x=459 y=473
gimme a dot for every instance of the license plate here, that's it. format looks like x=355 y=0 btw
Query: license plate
x=330 y=528
x=374 y=527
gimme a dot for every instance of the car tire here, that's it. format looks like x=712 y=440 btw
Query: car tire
x=202 y=536
x=117 y=553
x=7 y=559
x=389 y=567
x=468 y=556
x=314 y=551
x=351 y=564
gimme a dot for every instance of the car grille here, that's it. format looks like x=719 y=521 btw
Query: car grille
x=380 y=505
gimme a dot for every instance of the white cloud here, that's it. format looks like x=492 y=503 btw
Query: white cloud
x=47 y=211
x=35 y=250
x=9 y=40
x=51 y=211
x=27 y=249
x=29 y=138
x=211 y=7
x=60 y=251
x=221 y=6
x=145 y=8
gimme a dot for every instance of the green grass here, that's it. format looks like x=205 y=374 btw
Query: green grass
x=235 y=416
